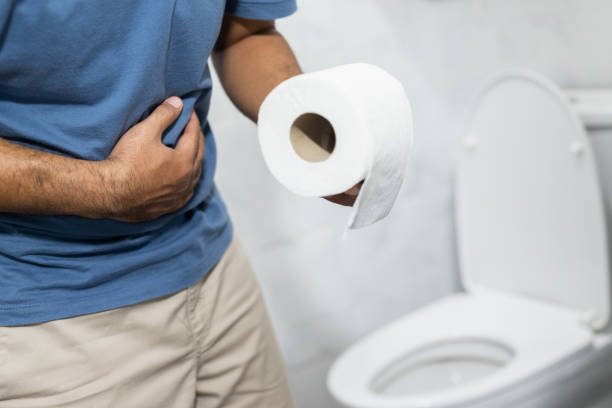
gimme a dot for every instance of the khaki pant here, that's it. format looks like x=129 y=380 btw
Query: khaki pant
x=210 y=345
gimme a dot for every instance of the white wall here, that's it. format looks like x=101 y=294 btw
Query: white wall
x=325 y=293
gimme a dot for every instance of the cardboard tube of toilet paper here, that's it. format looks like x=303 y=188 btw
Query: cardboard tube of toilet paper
x=323 y=132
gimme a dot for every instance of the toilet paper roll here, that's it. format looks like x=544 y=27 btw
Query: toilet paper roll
x=323 y=132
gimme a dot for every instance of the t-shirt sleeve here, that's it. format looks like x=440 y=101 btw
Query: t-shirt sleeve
x=261 y=9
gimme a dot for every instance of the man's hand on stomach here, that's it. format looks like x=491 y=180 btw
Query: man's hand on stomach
x=148 y=179
x=142 y=179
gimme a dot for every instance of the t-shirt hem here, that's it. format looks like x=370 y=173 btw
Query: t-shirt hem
x=263 y=11
x=99 y=302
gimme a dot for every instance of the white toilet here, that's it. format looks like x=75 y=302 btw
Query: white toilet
x=532 y=329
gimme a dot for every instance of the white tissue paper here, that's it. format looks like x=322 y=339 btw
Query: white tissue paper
x=323 y=132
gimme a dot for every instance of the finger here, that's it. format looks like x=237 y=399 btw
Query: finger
x=201 y=149
x=200 y=152
x=166 y=113
x=197 y=173
x=199 y=160
x=188 y=142
x=341 y=199
x=200 y=141
x=353 y=191
x=195 y=118
x=186 y=200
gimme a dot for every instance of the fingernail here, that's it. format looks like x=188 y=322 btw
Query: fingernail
x=175 y=101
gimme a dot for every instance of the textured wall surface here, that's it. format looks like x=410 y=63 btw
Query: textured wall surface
x=324 y=293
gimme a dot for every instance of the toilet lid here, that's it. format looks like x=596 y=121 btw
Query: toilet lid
x=530 y=214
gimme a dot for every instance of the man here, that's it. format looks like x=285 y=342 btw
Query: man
x=121 y=284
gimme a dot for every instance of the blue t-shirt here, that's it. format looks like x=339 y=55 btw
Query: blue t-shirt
x=75 y=75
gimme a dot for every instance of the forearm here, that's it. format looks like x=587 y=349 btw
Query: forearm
x=37 y=182
x=254 y=65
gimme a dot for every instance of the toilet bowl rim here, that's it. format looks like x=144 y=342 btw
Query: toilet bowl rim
x=364 y=397
x=527 y=359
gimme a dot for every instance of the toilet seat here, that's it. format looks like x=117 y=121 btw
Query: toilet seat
x=537 y=334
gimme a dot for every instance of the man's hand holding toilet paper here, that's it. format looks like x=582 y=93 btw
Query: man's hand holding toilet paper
x=361 y=107
x=347 y=198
